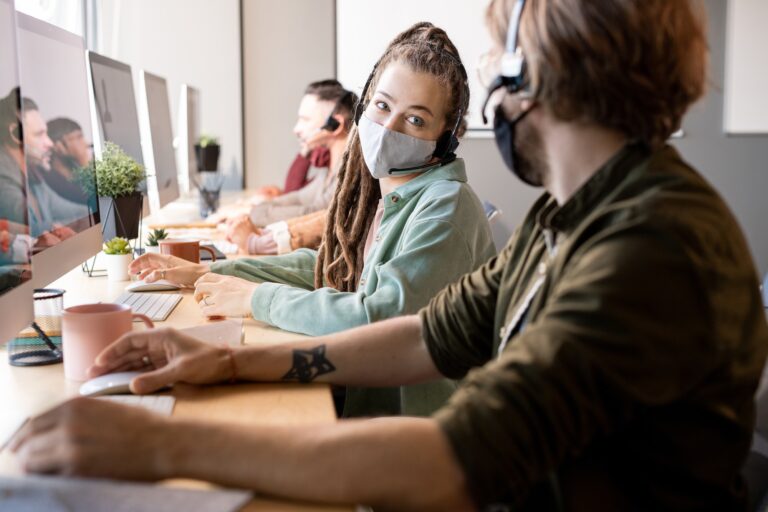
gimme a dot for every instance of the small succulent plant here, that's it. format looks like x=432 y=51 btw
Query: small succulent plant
x=117 y=246
x=153 y=239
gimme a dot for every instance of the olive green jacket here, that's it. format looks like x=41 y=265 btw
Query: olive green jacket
x=613 y=349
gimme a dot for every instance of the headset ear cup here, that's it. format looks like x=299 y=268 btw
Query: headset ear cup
x=331 y=124
x=453 y=144
x=443 y=145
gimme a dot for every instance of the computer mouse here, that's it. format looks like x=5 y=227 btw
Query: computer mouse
x=160 y=285
x=109 y=384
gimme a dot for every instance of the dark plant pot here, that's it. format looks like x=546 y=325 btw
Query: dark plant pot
x=207 y=157
x=121 y=216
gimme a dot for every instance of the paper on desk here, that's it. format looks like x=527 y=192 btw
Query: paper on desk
x=228 y=331
x=36 y=493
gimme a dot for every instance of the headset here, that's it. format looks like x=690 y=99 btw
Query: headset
x=513 y=66
x=331 y=124
x=12 y=109
x=447 y=143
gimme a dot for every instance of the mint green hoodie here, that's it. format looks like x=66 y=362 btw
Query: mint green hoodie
x=433 y=231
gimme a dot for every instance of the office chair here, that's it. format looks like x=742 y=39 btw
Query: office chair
x=755 y=470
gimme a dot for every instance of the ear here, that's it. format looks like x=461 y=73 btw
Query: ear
x=59 y=146
x=526 y=104
x=15 y=133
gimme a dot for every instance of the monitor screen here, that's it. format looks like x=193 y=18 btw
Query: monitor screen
x=116 y=104
x=163 y=165
x=189 y=132
x=15 y=241
x=58 y=151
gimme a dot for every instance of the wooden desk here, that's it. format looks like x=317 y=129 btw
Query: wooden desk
x=25 y=392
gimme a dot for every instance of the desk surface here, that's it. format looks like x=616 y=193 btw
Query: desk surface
x=27 y=391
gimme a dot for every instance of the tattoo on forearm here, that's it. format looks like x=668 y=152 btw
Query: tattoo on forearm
x=309 y=365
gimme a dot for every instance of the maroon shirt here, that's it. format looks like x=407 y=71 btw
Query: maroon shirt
x=297 y=175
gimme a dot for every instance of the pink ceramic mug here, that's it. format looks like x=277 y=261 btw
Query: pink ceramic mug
x=185 y=249
x=88 y=329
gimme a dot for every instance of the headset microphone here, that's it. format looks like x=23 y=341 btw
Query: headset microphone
x=407 y=170
x=332 y=124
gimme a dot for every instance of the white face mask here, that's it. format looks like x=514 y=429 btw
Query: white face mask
x=385 y=150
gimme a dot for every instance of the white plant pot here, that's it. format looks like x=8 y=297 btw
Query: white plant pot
x=149 y=249
x=117 y=266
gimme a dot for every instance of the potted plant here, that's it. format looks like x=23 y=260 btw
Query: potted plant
x=207 y=152
x=153 y=240
x=118 y=255
x=118 y=177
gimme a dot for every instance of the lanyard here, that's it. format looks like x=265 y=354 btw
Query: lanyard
x=515 y=324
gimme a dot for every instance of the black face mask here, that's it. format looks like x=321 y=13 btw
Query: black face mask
x=504 y=132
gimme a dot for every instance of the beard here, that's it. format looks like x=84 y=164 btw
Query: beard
x=531 y=162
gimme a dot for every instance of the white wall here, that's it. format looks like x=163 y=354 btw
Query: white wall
x=8 y=65
x=746 y=69
x=286 y=45
x=185 y=41
x=360 y=41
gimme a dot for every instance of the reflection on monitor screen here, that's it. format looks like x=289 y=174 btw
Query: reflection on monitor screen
x=116 y=104
x=57 y=138
x=15 y=241
x=164 y=187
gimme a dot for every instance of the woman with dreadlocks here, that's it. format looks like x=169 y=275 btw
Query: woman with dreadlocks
x=403 y=222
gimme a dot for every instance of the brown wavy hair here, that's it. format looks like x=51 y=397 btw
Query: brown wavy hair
x=425 y=49
x=631 y=65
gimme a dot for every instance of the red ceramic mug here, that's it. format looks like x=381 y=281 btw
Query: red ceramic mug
x=88 y=329
x=185 y=249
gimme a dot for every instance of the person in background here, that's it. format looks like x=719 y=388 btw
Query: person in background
x=610 y=353
x=403 y=223
x=70 y=153
x=322 y=127
x=24 y=144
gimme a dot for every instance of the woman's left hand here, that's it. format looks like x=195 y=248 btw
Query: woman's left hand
x=220 y=295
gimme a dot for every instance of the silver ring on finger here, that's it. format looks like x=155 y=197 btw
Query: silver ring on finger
x=205 y=301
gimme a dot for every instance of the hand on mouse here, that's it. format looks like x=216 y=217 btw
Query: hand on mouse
x=169 y=355
x=220 y=295
x=153 y=267
x=88 y=437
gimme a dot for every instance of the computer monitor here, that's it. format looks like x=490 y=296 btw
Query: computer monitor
x=158 y=135
x=15 y=242
x=115 y=102
x=63 y=206
x=189 y=132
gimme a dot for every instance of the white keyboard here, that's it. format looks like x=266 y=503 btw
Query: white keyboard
x=160 y=404
x=157 y=306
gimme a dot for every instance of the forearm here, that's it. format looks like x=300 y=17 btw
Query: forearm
x=387 y=353
x=392 y=464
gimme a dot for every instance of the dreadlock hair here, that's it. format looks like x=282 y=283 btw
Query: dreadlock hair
x=425 y=49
